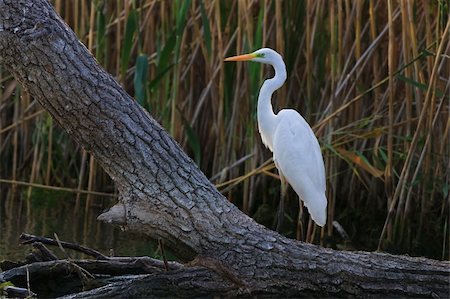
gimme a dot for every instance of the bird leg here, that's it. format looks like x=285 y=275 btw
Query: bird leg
x=300 y=236
x=280 y=216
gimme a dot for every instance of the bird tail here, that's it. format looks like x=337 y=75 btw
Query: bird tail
x=318 y=209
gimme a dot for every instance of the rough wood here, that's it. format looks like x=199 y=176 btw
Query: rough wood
x=27 y=239
x=46 y=254
x=38 y=270
x=61 y=277
x=15 y=292
x=163 y=195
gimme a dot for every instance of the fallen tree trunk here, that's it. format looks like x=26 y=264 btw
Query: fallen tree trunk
x=111 y=277
x=163 y=194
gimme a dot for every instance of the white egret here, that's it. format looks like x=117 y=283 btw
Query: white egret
x=296 y=151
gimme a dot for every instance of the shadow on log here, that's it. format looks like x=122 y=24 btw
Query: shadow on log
x=163 y=194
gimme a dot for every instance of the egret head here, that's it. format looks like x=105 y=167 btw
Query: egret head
x=264 y=55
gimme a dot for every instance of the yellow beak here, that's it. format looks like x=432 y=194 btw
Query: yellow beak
x=244 y=57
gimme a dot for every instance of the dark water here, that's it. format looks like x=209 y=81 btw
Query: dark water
x=48 y=212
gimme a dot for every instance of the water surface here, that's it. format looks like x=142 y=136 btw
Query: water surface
x=48 y=212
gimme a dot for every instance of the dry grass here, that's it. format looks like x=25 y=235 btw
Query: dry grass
x=371 y=77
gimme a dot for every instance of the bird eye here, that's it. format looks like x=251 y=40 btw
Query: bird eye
x=260 y=55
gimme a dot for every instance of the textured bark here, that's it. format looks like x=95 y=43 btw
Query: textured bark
x=164 y=195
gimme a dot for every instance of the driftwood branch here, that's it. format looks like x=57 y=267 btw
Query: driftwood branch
x=46 y=254
x=15 y=292
x=74 y=275
x=27 y=239
x=114 y=267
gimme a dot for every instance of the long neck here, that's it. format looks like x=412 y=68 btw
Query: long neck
x=266 y=116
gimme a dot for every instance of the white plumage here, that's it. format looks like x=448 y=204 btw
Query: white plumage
x=296 y=151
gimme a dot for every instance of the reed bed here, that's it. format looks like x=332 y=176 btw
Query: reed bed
x=371 y=77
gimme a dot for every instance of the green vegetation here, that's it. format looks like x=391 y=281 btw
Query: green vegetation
x=371 y=77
